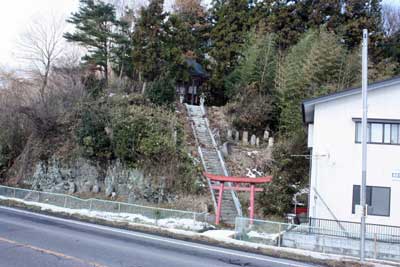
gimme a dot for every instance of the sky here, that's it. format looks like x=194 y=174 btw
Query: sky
x=15 y=15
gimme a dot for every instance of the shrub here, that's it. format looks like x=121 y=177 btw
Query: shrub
x=142 y=133
x=187 y=180
x=94 y=86
x=251 y=110
x=12 y=142
x=290 y=174
x=4 y=156
x=14 y=133
x=91 y=130
x=162 y=91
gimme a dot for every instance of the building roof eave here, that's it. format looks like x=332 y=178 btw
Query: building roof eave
x=309 y=104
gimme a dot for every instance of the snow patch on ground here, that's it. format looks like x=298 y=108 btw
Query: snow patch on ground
x=172 y=223
x=252 y=153
x=253 y=173
x=223 y=234
x=255 y=234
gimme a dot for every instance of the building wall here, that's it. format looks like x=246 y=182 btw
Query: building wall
x=336 y=164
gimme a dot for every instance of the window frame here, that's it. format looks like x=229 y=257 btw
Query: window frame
x=370 y=190
x=383 y=122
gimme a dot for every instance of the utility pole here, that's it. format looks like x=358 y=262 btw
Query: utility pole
x=364 y=124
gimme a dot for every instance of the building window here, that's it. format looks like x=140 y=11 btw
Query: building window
x=378 y=200
x=379 y=133
x=376 y=132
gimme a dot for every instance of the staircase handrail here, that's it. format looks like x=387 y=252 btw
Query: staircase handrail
x=208 y=180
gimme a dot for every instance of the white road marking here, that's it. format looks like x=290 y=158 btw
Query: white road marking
x=176 y=242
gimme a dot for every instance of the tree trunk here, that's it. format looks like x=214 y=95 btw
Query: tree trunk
x=44 y=85
x=144 y=88
x=121 y=71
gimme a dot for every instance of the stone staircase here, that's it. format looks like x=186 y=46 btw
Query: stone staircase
x=213 y=162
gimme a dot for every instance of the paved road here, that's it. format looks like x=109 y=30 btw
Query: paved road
x=29 y=240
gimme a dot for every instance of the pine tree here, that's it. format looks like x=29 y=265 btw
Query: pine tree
x=359 y=15
x=287 y=19
x=391 y=49
x=230 y=19
x=148 y=41
x=178 y=46
x=194 y=19
x=94 y=23
x=323 y=12
x=290 y=19
x=121 y=50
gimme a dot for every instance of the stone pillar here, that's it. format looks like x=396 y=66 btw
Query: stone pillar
x=257 y=141
x=253 y=140
x=270 y=142
x=245 y=138
x=266 y=135
x=229 y=134
x=237 y=136
x=217 y=136
x=226 y=149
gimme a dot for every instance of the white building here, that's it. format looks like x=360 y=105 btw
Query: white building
x=334 y=124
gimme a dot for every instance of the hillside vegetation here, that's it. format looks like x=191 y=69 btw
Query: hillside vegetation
x=104 y=118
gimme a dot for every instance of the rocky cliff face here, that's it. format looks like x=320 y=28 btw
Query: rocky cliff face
x=84 y=176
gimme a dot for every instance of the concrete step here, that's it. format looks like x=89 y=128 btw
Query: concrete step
x=212 y=162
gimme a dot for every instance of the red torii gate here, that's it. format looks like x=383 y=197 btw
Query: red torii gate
x=236 y=180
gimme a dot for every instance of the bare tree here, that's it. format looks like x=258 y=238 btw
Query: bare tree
x=54 y=74
x=391 y=19
x=40 y=45
x=65 y=84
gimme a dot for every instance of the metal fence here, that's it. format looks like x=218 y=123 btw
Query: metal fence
x=139 y=213
x=380 y=232
x=327 y=240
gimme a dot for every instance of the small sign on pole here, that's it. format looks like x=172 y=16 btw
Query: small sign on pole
x=359 y=210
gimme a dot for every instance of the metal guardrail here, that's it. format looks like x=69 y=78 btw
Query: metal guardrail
x=146 y=213
x=383 y=233
x=327 y=240
x=214 y=199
